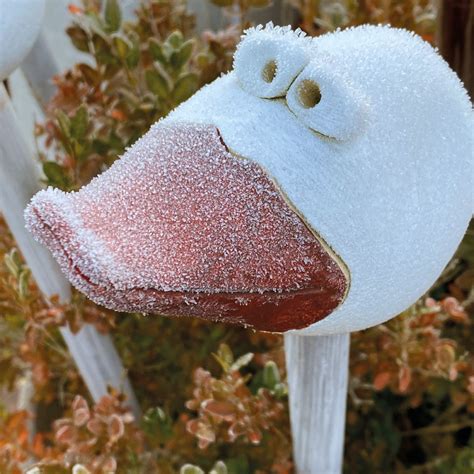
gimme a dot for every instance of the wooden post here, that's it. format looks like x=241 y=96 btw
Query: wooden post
x=455 y=38
x=94 y=353
x=317 y=369
x=39 y=67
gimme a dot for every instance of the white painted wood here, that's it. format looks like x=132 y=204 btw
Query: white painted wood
x=39 y=67
x=94 y=353
x=317 y=376
x=28 y=108
x=20 y=23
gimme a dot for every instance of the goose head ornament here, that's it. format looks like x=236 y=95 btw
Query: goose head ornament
x=319 y=187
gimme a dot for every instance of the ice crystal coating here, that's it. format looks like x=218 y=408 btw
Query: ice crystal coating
x=326 y=101
x=181 y=226
x=394 y=199
x=268 y=59
x=392 y=196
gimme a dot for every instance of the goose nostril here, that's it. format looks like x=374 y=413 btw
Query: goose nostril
x=309 y=93
x=269 y=71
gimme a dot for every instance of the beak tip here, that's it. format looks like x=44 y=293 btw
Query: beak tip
x=44 y=211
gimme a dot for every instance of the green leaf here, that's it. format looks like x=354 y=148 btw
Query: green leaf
x=224 y=357
x=103 y=50
x=113 y=15
x=78 y=38
x=13 y=262
x=271 y=375
x=101 y=147
x=179 y=58
x=55 y=174
x=106 y=57
x=80 y=149
x=79 y=123
x=190 y=469
x=157 y=83
x=133 y=56
x=219 y=468
x=146 y=106
x=115 y=142
x=122 y=46
x=156 y=50
x=64 y=123
x=280 y=390
x=238 y=465
x=157 y=424
x=185 y=87
x=90 y=74
x=202 y=60
x=111 y=70
x=23 y=282
x=242 y=361
x=80 y=469
x=175 y=39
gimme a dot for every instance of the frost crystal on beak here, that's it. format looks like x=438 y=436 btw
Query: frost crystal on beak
x=180 y=226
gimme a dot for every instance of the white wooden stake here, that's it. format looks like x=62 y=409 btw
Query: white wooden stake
x=317 y=369
x=94 y=353
x=39 y=67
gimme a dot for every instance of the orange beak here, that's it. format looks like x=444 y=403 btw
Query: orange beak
x=182 y=227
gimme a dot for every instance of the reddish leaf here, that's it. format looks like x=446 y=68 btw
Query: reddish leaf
x=220 y=409
x=381 y=380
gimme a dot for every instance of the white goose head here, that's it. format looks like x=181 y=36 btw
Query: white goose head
x=321 y=186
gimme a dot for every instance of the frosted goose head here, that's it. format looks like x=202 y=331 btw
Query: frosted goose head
x=20 y=23
x=321 y=187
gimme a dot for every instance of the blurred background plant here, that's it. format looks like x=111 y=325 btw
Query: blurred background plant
x=320 y=16
x=411 y=397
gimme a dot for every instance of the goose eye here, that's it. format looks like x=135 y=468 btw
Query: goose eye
x=325 y=102
x=309 y=93
x=267 y=61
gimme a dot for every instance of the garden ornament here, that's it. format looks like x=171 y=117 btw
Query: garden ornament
x=20 y=24
x=319 y=187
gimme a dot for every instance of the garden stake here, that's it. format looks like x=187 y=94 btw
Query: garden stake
x=39 y=67
x=317 y=368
